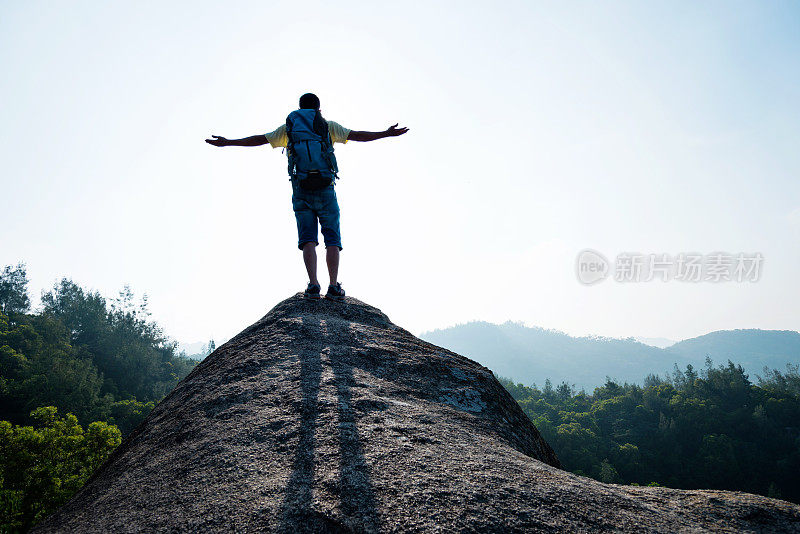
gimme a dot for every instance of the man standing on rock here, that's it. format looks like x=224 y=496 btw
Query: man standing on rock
x=312 y=168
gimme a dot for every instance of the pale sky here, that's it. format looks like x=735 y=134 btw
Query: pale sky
x=537 y=130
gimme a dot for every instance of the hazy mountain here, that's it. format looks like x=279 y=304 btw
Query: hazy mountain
x=197 y=350
x=532 y=354
x=754 y=349
x=660 y=342
x=198 y=347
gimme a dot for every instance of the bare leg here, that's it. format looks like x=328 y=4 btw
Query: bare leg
x=310 y=259
x=332 y=258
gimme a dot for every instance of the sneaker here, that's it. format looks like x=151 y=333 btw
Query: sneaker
x=335 y=292
x=312 y=291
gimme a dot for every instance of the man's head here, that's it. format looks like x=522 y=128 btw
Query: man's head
x=309 y=101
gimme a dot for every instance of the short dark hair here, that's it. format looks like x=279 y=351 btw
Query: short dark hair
x=309 y=101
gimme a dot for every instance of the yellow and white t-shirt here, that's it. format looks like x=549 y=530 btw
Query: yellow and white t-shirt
x=278 y=138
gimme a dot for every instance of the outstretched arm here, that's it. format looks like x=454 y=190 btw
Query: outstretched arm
x=392 y=131
x=253 y=140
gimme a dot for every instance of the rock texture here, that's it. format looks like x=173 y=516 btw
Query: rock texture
x=326 y=417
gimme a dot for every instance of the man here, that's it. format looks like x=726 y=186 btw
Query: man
x=312 y=168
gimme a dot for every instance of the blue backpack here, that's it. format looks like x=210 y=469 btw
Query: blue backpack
x=310 y=150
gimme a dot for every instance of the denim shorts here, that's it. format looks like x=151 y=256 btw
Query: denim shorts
x=311 y=207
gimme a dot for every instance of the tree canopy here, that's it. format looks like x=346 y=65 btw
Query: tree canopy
x=104 y=364
x=708 y=429
x=14 y=289
x=43 y=466
x=84 y=355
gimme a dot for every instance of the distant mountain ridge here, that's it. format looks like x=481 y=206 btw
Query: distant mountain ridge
x=751 y=347
x=197 y=350
x=532 y=354
x=660 y=342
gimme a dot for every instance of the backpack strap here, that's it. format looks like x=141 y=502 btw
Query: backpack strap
x=322 y=129
x=290 y=148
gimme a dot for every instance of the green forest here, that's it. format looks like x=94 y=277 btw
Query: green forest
x=712 y=429
x=75 y=377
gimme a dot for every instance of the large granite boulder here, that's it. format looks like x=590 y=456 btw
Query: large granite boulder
x=326 y=417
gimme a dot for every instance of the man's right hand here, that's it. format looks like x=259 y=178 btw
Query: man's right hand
x=217 y=141
x=394 y=131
